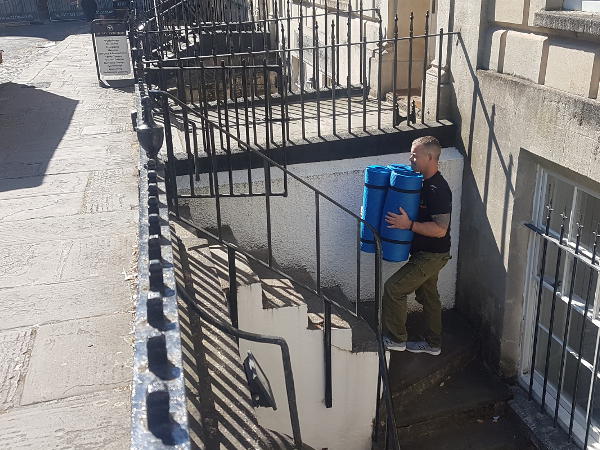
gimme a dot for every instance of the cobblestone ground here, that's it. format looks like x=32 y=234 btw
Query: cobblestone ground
x=68 y=234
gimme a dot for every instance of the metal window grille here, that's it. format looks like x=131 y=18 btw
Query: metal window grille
x=562 y=336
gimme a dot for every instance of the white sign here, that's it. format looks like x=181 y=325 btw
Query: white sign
x=113 y=55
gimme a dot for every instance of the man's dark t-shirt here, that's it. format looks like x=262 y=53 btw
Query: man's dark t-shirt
x=436 y=198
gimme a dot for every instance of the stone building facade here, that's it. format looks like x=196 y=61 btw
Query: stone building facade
x=521 y=80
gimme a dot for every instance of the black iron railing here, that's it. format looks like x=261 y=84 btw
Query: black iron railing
x=567 y=278
x=159 y=412
x=173 y=107
x=332 y=81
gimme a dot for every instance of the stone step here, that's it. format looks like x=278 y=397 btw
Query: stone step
x=411 y=374
x=484 y=433
x=473 y=393
x=348 y=332
x=280 y=292
x=220 y=409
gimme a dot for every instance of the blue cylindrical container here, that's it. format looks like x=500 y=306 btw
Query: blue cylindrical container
x=404 y=192
x=377 y=180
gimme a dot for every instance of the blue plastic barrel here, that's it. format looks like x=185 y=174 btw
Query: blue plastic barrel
x=377 y=180
x=404 y=192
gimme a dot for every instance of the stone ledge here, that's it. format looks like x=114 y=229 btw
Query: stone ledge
x=575 y=21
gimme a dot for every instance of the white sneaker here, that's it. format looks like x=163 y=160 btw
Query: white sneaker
x=422 y=347
x=390 y=344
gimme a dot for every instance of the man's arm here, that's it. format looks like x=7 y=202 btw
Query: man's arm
x=436 y=229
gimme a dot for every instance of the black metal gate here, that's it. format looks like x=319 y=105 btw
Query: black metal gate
x=18 y=11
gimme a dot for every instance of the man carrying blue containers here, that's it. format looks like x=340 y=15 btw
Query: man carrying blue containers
x=429 y=253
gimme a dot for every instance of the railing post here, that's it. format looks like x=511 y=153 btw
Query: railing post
x=327 y=343
x=232 y=271
x=582 y=334
x=557 y=284
x=539 y=300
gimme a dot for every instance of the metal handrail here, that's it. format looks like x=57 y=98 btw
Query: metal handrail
x=383 y=385
x=263 y=338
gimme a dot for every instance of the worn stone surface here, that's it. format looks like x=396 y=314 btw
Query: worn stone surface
x=92 y=421
x=79 y=226
x=68 y=208
x=42 y=304
x=15 y=347
x=577 y=21
x=77 y=357
x=66 y=260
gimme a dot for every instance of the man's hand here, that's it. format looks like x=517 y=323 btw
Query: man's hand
x=400 y=221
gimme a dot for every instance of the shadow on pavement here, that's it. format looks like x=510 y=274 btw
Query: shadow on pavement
x=33 y=122
x=53 y=31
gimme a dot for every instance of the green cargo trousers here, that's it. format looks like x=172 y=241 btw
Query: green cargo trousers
x=418 y=275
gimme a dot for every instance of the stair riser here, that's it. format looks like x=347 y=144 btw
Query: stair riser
x=435 y=378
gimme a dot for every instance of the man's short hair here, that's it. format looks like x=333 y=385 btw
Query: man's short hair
x=431 y=144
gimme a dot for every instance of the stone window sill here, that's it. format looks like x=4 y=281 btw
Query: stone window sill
x=574 y=21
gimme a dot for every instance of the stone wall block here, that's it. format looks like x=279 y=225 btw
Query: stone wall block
x=525 y=56
x=563 y=58
x=510 y=11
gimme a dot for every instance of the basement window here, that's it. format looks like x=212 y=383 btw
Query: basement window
x=563 y=284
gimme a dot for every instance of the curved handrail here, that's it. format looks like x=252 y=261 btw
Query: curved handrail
x=263 y=338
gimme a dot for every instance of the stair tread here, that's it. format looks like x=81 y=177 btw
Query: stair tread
x=470 y=390
x=363 y=337
x=411 y=373
x=483 y=433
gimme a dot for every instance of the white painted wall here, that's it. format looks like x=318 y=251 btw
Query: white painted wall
x=293 y=222
x=345 y=426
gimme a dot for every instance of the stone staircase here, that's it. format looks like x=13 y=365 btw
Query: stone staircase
x=221 y=411
x=451 y=401
x=273 y=304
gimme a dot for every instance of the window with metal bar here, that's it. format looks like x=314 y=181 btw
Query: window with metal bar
x=562 y=299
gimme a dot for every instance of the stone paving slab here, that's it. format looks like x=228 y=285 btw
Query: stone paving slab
x=102 y=193
x=42 y=304
x=79 y=356
x=11 y=170
x=41 y=207
x=77 y=227
x=66 y=260
x=15 y=347
x=110 y=190
x=93 y=421
x=108 y=147
x=43 y=185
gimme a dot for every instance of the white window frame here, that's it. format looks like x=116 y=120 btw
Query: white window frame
x=530 y=292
